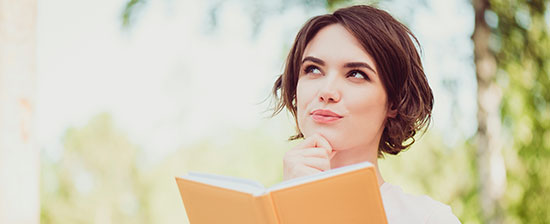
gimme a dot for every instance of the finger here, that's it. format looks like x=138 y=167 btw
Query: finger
x=304 y=171
x=332 y=154
x=314 y=152
x=322 y=142
x=310 y=141
x=317 y=163
x=306 y=143
x=319 y=141
x=315 y=141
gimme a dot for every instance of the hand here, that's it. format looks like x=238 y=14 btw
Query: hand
x=309 y=157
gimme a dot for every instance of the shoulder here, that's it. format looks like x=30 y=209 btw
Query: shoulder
x=407 y=208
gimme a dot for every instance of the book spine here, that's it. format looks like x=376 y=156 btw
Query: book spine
x=266 y=209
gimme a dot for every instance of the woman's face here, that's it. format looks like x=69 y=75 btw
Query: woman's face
x=339 y=93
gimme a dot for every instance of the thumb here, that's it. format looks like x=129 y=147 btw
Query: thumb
x=321 y=142
x=332 y=154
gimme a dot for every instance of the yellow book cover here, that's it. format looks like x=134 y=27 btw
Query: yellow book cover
x=347 y=194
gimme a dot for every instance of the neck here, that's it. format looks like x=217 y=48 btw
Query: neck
x=353 y=156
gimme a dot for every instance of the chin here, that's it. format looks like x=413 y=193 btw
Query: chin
x=337 y=142
x=334 y=137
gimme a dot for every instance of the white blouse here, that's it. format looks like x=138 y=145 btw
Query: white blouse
x=412 y=209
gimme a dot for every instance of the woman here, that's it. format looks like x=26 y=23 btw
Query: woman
x=355 y=85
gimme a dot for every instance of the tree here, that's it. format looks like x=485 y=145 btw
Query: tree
x=513 y=37
x=490 y=162
x=522 y=46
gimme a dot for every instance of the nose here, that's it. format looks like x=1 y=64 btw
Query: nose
x=329 y=92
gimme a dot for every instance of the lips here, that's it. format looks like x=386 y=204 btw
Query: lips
x=325 y=116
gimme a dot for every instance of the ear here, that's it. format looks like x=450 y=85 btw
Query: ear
x=392 y=111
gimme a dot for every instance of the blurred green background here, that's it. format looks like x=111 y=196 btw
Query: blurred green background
x=132 y=93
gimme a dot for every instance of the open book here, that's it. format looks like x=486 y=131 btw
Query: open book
x=347 y=194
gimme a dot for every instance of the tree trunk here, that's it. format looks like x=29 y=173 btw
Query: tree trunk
x=19 y=156
x=490 y=163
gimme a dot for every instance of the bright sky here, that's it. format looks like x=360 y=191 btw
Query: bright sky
x=167 y=82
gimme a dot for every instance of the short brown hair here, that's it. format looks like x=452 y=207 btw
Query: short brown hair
x=391 y=45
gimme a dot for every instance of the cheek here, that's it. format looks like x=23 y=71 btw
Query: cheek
x=369 y=113
x=372 y=106
x=304 y=96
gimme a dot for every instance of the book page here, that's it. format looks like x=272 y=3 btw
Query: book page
x=326 y=174
x=233 y=183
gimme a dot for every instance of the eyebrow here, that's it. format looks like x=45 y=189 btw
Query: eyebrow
x=347 y=65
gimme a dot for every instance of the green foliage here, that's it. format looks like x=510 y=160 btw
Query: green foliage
x=101 y=177
x=523 y=55
x=333 y=5
x=129 y=11
x=96 y=179
x=447 y=174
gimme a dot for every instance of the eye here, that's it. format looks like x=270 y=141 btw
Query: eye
x=312 y=69
x=358 y=74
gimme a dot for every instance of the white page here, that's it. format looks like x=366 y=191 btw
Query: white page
x=319 y=176
x=233 y=183
x=256 y=189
